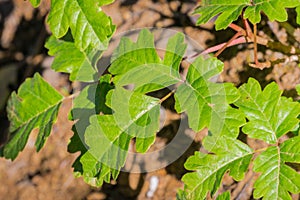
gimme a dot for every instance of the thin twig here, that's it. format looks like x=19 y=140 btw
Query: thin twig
x=249 y=36
x=72 y=95
x=167 y=96
x=240 y=40
x=255 y=44
x=237 y=28
x=238 y=34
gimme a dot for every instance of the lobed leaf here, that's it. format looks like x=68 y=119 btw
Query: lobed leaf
x=278 y=179
x=108 y=146
x=108 y=136
x=274 y=9
x=90 y=26
x=174 y=51
x=138 y=63
x=34 y=106
x=270 y=115
x=266 y=111
x=228 y=11
x=90 y=101
x=80 y=64
x=210 y=169
x=135 y=114
x=207 y=103
x=134 y=54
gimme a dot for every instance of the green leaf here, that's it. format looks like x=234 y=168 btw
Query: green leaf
x=205 y=102
x=35 y=3
x=108 y=149
x=224 y=196
x=180 y=195
x=228 y=128
x=296 y=131
x=136 y=114
x=138 y=63
x=35 y=106
x=278 y=179
x=274 y=9
x=89 y=102
x=290 y=151
x=207 y=105
x=81 y=65
x=298 y=89
x=298 y=15
x=210 y=168
x=108 y=136
x=134 y=54
x=175 y=51
x=89 y=25
x=270 y=115
x=229 y=11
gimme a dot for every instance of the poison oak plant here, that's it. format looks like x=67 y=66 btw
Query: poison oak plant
x=108 y=116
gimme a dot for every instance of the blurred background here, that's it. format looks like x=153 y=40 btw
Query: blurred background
x=48 y=174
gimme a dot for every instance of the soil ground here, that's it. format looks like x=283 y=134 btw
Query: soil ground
x=48 y=174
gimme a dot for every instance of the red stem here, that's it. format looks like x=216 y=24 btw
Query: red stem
x=228 y=43
x=255 y=44
x=240 y=40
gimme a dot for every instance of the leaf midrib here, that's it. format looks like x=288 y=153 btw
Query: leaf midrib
x=89 y=23
x=139 y=115
x=123 y=129
x=206 y=102
x=38 y=114
x=263 y=114
x=220 y=167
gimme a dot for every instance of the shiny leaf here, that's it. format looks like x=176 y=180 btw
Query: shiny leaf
x=90 y=101
x=209 y=169
x=134 y=116
x=81 y=65
x=270 y=115
x=278 y=179
x=207 y=103
x=228 y=11
x=34 y=106
x=89 y=25
x=274 y=9
x=138 y=63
